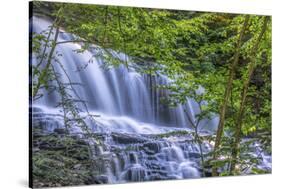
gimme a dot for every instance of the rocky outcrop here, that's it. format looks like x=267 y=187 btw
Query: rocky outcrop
x=60 y=160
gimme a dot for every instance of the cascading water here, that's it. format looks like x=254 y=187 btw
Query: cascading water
x=126 y=108
x=130 y=114
x=115 y=92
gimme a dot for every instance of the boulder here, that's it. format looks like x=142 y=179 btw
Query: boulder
x=100 y=179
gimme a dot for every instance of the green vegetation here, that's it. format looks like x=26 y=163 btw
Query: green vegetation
x=60 y=160
x=227 y=56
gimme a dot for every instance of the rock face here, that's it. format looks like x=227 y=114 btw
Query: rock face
x=62 y=157
x=131 y=158
x=60 y=161
x=59 y=158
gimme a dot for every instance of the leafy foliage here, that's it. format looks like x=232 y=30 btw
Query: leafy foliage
x=194 y=49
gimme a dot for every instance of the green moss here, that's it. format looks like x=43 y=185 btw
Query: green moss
x=60 y=161
x=173 y=133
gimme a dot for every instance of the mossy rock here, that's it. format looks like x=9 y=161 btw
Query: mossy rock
x=61 y=160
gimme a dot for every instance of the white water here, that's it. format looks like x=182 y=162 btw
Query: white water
x=125 y=102
x=118 y=95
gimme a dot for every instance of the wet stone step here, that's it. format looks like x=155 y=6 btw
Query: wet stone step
x=127 y=139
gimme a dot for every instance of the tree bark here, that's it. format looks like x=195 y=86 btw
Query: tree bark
x=227 y=94
x=239 y=121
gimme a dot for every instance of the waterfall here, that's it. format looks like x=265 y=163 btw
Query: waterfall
x=119 y=92
x=128 y=106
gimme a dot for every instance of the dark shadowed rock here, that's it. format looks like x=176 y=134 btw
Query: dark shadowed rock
x=194 y=155
x=151 y=147
x=60 y=131
x=127 y=139
x=101 y=179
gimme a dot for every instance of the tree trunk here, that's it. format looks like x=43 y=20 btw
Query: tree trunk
x=195 y=124
x=227 y=94
x=44 y=73
x=239 y=120
x=48 y=39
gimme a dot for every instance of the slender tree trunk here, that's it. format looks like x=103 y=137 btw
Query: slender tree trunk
x=227 y=94
x=44 y=73
x=195 y=125
x=123 y=36
x=239 y=120
x=105 y=25
x=48 y=39
x=198 y=140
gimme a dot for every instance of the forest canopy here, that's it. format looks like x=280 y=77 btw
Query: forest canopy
x=193 y=48
x=221 y=60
